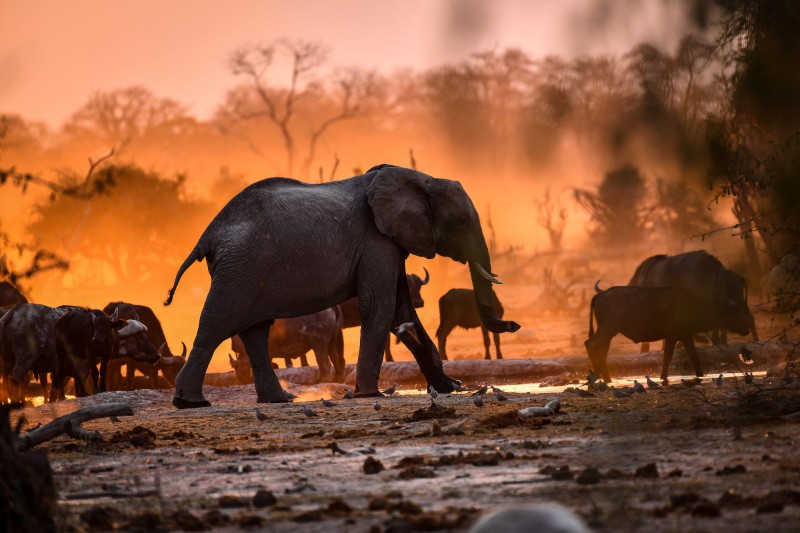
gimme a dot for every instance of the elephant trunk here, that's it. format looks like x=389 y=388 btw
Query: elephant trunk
x=480 y=269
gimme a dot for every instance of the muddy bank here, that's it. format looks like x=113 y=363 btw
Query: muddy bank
x=670 y=459
x=714 y=359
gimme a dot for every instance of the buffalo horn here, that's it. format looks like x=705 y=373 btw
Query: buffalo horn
x=427 y=276
x=484 y=274
x=161 y=348
x=183 y=354
x=115 y=314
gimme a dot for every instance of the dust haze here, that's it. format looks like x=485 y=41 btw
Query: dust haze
x=581 y=164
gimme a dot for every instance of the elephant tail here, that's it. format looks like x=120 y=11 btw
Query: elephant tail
x=197 y=255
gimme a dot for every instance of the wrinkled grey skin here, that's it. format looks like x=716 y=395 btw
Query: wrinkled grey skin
x=541 y=518
x=294 y=337
x=283 y=248
x=27 y=344
x=698 y=272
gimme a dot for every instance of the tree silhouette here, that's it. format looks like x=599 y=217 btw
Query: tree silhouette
x=258 y=98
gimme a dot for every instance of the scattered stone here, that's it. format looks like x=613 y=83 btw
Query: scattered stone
x=377 y=504
x=705 y=509
x=394 y=495
x=250 y=520
x=315 y=515
x=589 y=476
x=415 y=472
x=231 y=502
x=563 y=474
x=98 y=518
x=339 y=507
x=405 y=507
x=432 y=412
x=675 y=472
x=648 y=471
x=186 y=521
x=613 y=473
x=145 y=522
x=729 y=470
x=214 y=518
x=372 y=466
x=684 y=499
x=264 y=498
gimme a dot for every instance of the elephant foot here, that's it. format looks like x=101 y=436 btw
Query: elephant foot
x=281 y=397
x=180 y=403
x=372 y=394
x=273 y=400
x=444 y=384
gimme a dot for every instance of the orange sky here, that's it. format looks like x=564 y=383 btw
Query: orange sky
x=53 y=55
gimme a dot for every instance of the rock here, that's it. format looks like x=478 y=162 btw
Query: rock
x=372 y=466
x=729 y=470
x=339 y=507
x=186 y=521
x=589 y=476
x=97 y=518
x=562 y=474
x=648 y=471
x=231 y=502
x=705 y=509
x=264 y=498
x=414 y=472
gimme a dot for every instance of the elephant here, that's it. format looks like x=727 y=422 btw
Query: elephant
x=283 y=248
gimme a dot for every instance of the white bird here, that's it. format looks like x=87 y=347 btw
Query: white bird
x=261 y=416
x=478 y=401
x=327 y=403
x=348 y=394
x=433 y=392
x=719 y=381
x=500 y=396
x=406 y=330
x=652 y=384
x=376 y=406
x=391 y=390
x=602 y=386
x=591 y=378
x=638 y=387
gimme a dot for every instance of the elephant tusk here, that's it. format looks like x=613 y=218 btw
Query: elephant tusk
x=484 y=274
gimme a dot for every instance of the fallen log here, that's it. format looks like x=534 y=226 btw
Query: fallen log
x=70 y=424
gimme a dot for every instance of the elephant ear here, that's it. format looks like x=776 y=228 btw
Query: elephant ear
x=399 y=200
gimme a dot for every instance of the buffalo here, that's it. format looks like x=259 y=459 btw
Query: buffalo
x=698 y=272
x=351 y=314
x=459 y=307
x=168 y=363
x=294 y=337
x=654 y=313
x=27 y=344
x=10 y=295
x=85 y=336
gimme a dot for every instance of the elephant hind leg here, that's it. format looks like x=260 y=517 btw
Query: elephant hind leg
x=256 y=342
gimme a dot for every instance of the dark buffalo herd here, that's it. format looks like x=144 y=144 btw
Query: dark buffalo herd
x=669 y=298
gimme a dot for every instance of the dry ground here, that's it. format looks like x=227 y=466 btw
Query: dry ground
x=666 y=460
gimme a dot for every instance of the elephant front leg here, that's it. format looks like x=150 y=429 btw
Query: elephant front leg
x=256 y=342
x=425 y=352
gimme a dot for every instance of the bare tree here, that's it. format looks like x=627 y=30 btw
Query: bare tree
x=259 y=98
x=552 y=216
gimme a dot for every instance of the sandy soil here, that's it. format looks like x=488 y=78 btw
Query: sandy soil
x=666 y=460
